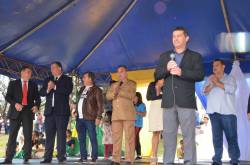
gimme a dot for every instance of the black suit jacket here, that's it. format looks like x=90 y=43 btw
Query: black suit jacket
x=14 y=95
x=64 y=88
x=182 y=93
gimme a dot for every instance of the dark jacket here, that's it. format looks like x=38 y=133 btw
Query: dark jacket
x=183 y=91
x=64 y=88
x=151 y=92
x=14 y=95
x=93 y=104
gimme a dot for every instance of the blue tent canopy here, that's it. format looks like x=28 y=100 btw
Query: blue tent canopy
x=98 y=35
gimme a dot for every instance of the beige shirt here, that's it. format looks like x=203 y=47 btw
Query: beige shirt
x=123 y=106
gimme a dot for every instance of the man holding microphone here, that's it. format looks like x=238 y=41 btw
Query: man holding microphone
x=181 y=68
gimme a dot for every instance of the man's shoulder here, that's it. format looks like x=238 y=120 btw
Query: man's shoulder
x=32 y=82
x=97 y=88
x=229 y=77
x=66 y=77
x=166 y=53
x=115 y=83
x=132 y=82
x=193 y=53
x=49 y=78
x=15 y=81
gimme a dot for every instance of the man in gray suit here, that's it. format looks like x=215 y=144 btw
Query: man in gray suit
x=180 y=68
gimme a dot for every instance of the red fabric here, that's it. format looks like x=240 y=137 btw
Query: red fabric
x=108 y=150
x=25 y=93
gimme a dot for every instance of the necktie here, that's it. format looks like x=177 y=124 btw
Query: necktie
x=25 y=93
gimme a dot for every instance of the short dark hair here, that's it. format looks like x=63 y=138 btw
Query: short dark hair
x=219 y=60
x=139 y=96
x=26 y=67
x=59 y=64
x=122 y=66
x=181 y=28
x=91 y=75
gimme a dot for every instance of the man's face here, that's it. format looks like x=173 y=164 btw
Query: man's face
x=86 y=80
x=179 y=39
x=26 y=74
x=122 y=73
x=218 y=67
x=55 y=70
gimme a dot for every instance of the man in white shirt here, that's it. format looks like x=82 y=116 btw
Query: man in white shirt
x=220 y=90
x=89 y=109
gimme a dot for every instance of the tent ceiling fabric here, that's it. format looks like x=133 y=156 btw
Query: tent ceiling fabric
x=137 y=42
x=146 y=32
x=17 y=17
x=70 y=36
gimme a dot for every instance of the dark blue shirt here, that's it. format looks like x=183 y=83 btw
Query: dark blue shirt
x=178 y=58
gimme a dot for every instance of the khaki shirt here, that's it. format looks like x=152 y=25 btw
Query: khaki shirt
x=123 y=106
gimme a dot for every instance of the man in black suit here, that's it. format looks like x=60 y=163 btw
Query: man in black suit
x=56 y=89
x=181 y=68
x=24 y=99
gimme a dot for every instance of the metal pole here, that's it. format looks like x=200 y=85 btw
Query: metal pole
x=228 y=27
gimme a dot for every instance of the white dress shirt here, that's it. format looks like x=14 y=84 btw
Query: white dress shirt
x=220 y=100
x=27 y=83
x=53 y=97
x=82 y=97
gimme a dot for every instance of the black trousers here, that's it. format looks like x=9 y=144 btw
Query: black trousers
x=55 y=125
x=24 y=119
x=137 y=141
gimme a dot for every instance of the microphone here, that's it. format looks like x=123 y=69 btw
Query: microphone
x=121 y=83
x=172 y=56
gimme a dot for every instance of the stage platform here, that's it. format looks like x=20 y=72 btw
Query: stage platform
x=71 y=161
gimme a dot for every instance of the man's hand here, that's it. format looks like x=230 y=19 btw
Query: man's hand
x=211 y=84
x=214 y=79
x=97 y=122
x=248 y=116
x=34 y=109
x=176 y=71
x=116 y=90
x=171 y=64
x=208 y=88
x=51 y=85
x=18 y=107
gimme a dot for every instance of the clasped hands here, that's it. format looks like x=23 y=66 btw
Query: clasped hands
x=173 y=68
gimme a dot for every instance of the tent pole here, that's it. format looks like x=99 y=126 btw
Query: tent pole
x=228 y=27
x=132 y=4
x=39 y=26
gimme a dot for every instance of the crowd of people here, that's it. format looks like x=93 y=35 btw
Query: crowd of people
x=121 y=110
